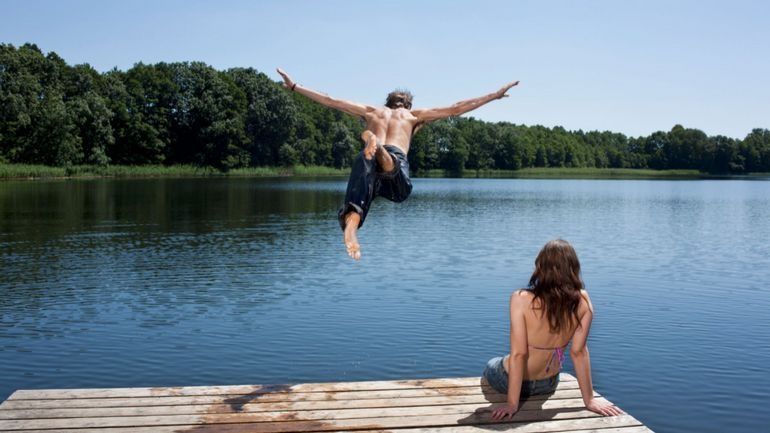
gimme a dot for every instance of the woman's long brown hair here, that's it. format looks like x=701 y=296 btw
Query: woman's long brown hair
x=556 y=284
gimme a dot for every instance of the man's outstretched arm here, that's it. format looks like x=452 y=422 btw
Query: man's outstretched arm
x=430 y=114
x=349 y=107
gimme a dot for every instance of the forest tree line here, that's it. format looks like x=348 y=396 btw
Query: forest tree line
x=190 y=113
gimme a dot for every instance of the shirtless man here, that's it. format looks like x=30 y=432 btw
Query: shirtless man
x=382 y=168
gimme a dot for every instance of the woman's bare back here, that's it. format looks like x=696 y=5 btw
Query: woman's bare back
x=542 y=358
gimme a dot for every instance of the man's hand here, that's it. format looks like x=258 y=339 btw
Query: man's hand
x=287 y=81
x=503 y=412
x=501 y=93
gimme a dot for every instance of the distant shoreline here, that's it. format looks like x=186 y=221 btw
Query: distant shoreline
x=593 y=173
x=42 y=172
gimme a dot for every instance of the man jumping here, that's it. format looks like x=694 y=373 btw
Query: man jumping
x=382 y=169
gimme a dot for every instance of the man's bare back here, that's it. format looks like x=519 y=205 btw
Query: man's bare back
x=391 y=125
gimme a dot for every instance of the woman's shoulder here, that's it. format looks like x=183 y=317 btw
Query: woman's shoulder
x=585 y=302
x=522 y=293
x=521 y=297
x=521 y=300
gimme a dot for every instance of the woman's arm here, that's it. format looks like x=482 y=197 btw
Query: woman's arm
x=518 y=358
x=582 y=361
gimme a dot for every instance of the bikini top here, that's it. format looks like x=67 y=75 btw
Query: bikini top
x=558 y=354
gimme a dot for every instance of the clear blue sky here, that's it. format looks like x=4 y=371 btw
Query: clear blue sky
x=632 y=66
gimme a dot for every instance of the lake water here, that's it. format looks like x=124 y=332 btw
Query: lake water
x=166 y=282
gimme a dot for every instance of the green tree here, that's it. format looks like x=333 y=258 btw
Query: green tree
x=481 y=144
x=143 y=108
x=755 y=149
x=53 y=139
x=424 y=153
x=35 y=124
x=136 y=141
x=271 y=115
x=452 y=147
x=718 y=155
x=288 y=155
x=206 y=117
x=343 y=146
x=89 y=112
x=684 y=147
x=655 y=146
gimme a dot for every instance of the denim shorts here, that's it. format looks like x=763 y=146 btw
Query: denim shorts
x=497 y=378
x=366 y=182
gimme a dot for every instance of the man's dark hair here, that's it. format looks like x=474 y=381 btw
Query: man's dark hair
x=399 y=98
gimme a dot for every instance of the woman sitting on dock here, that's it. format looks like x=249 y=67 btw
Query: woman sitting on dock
x=553 y=311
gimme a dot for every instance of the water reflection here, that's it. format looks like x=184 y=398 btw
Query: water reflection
x=153 y=250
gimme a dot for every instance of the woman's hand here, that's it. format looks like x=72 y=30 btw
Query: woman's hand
x=503 y=412
x=603 y=408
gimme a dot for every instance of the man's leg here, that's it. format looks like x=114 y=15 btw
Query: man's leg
x=359 y=196
x=352 y=219
x=384 y=160
x=370 y=144
x=396 y=185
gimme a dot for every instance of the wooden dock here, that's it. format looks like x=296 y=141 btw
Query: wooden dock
x=458 y=405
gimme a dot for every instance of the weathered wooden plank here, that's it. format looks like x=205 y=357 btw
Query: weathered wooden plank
x=8 y=399
x=303 y=410
x=577 y=425
x=401 y=417
x=305 y=396
x=299 y=401
x=281 y=401
x=245 y=389
x=248 y=389
x=619 y=424
x=634 y=429
x=574 y=425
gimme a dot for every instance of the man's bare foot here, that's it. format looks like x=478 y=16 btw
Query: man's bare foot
x=350 y=236
x=371 y=144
